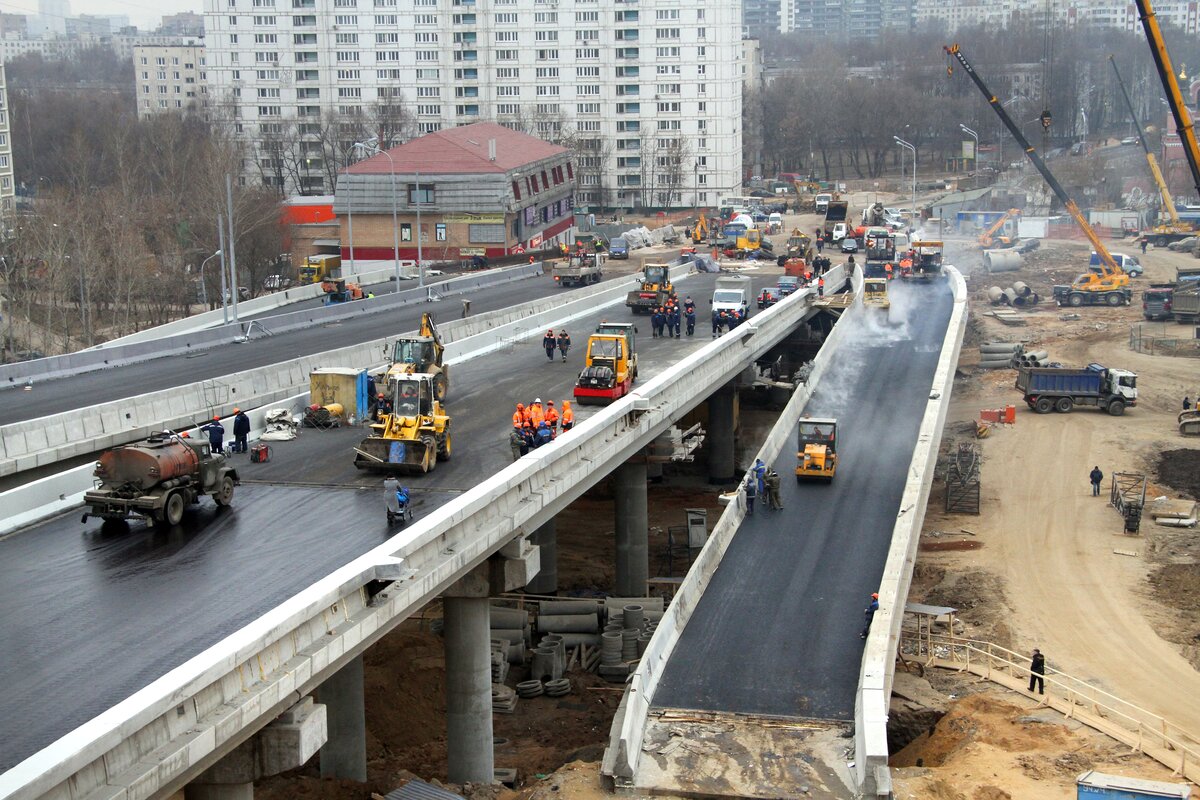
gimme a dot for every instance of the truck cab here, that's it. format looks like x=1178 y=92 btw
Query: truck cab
x=816 y=449
x=821 y=202
x=732 y=294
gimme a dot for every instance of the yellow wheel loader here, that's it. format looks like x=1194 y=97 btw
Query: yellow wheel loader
x=413 y=436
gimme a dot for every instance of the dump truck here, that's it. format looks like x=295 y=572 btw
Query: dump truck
x=422 y=353
x=1060 y=389
x=611 y=366
x=816 y=456
x=655 y=287
x=414 y=437
x=158 y=479
x=1157 y=301
x=1185 y=299
x=579 y=269
x=837 y=212
x=319 y=267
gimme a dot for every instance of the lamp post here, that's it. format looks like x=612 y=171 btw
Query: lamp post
x=910 y=147
x=203 y=285
x=420 y=258
x=974 y=136
x=373 y=142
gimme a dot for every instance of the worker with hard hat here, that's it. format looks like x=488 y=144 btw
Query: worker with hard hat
x=216 y=433
x=552 y=416
x=519 y=416
x=536 y=413
x=567 y=420
x=869 y=613
x=549 y=344
x=241 y=430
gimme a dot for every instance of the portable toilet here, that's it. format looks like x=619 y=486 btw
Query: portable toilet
x=344 y=386
x=1093 y=785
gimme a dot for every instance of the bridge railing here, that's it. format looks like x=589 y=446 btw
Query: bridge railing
x=173 y=729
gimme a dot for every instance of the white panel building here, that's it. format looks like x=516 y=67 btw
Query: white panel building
x=638 y=88
x=169 y=79
x=7 y=186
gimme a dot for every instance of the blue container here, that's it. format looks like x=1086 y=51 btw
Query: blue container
x=1094 y=785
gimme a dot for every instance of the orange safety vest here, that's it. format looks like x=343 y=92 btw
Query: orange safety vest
x=527 y=418
x=518 y=418
x=568 y=418
x=537 y=416
x=551 y=417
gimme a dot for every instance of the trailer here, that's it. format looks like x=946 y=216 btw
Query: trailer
x=1060 y=389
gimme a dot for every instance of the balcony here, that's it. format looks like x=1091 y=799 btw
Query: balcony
x=627 y=35
x=628 y=53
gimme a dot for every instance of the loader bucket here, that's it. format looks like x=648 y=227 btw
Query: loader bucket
x=410 y=457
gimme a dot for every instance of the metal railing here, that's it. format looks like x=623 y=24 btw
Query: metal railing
x=1142 y=730
x=1156 y=340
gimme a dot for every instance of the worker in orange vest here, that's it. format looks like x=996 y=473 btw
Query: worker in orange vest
x=821 y=286
x=887 y=270
x=551 y=416
x=568 y=416
x=519 y=415
x=536 y=415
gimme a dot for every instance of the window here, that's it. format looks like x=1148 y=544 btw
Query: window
x=429 y=111
x=348 y=74
x=507 y=37
x=427 y=74
x=668 y=108
x=312 y=93
x=587 y=108
x=666 y=14
x=266 y=58
x=587 y=72
x=588 y=126
x=548 y=91
x=463 y=19
x=630 y=126
x=702 y=107
x=345 y=19
x=387 y=74
x=349 y=92
x=547 y=72
x=508 y=109
x=466 y=55
x=507 y=18
x=423 y=196
x=264 y=20
x=628 y=72
x=302 y=57
x=265 y=38
x=511 y=73
x=426 y=19
x=386 y=92
x=547 y=55
x=233 y=20
x=508 y=91
x=669 y=125
x=406 y=231
x=667 y=88
x=507 y=55
x=347 y=38
x=545 y=36
x=386 y=56
x=269 y=111
x=428 y=91
x=587 y=89
x=385 y=19
x=629 y=161
x=427 y=38
x=666 y=33
x=628 y=108
x=587 y=53
x=427 y=55
x=466 y=91
x=439 y=231
x=666 y=52
x=587 y=16
x=268 y=94
x=347 y=56
x=304 y=38
x=546 y=18
x=304 y=21
x=700 y=33
x=587 y=36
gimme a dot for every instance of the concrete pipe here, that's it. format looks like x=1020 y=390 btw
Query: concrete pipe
x=545 y=665
x=576 y=639
x=1022 y=288
x=568 y=607
x=509 y=634
x=1011 y=296
x=507 y=617
x=611 y=644
x=555 y=642
x=613 y=626
x=1040 y=355
x=995 y=295
x=642 y=643
x=633 y=617
x=995 y=361
x=1002 y=260
x=629 y=643
x=516 y=652
x=1001 y=349
x=995 y=365
x=1033 y=299
x=568 y=623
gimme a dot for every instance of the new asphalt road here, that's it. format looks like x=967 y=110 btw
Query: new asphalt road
x=777 y=630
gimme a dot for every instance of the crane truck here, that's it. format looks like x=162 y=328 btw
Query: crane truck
x=1108 y=286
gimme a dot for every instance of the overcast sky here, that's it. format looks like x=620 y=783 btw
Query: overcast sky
x=146 y=15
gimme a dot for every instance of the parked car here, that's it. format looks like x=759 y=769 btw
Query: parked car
x=849 y=245
x=1130 y=140
x=618 y=248
x=275 y=283
x=768 y=297
x=787 y=285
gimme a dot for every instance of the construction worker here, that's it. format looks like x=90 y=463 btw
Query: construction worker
x=216 y=432
x=820 y=242
x=689 y=305
x=568 y=416
x=821 y=286
x=383 y=407
x=549 y=344
x=519 y=415
x=751 y=493
x=869 y=614
x=673 y=321
x=774 y=501
x=527 y=435
x=551 y=416
x=371 y=392
x=716 y=323
x=517 y=442
x=241 y=429
x=690 y=314
x=564 y=343
x=658 y=321
x=887 y=270
x=543 y=435
x=537 y=414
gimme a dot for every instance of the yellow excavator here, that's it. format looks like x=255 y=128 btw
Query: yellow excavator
x=993 y=236
x=1109 y=285
x=414 y=436
x=816 y=458
x=422 y=353
x=700 y=229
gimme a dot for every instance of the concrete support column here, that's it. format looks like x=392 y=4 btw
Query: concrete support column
x=469 y=753
x=545 y=539
x=345 y=753
x=632 y=522
x=719 y=436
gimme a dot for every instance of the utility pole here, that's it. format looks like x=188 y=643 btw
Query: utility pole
x=233 y=279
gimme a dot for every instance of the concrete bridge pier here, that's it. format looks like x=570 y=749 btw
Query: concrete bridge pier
x=632 y=524
x=287 y=743
x=345 y=754
x=719 y=436
x=545 y=539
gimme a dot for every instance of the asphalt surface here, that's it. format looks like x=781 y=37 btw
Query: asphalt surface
x=94 y=613
x=102 y=386
x=777 y=630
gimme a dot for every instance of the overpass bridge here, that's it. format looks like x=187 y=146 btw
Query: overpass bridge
x=275 y=629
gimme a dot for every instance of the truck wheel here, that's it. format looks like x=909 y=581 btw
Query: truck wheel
x=1064 y=405
x=173 y=509
x=1116 y=408
x=1075 y=299
x=1044 y=405
x=224 y=495
x=1115 y=299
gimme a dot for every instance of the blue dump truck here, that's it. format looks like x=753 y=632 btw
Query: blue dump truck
x=1060 y=389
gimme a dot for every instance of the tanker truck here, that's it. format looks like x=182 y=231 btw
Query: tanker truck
x=157 y=479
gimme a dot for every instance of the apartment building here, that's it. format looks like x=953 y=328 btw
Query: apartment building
x=1119 y=14
x=7 y=186
x=169 y=79
x=647 y=95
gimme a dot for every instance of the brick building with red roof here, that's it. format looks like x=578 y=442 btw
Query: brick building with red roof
x=481 y=189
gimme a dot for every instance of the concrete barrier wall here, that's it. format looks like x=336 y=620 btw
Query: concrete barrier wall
x=629 y=725
x=180 y=724
x=879 y=657
x=206 y=337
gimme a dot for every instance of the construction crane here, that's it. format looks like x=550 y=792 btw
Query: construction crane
x=1109 y=284
x=1161 y=235
x=992 y=235
x=1162 y=62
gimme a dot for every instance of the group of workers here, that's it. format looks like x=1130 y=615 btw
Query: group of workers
x=763 y=481
x=723 y=320
x=535 y=425
x=667 y=319
x=216 y=433
x=561 y=343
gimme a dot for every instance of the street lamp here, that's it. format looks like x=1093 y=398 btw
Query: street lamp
x=420 y=258
x=913 y=149
x=373 y=143
x=974 y=136
x=203 y=285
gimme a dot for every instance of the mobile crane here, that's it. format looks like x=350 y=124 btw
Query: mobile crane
x=1161 y=235
x=993 y=235
x=1107 y=286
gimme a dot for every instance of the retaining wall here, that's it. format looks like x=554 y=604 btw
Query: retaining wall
x=879 y=656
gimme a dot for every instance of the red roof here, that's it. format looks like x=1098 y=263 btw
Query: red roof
x=462 y=150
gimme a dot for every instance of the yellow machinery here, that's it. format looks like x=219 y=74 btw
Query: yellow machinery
x=1109 y=286
x=700 y=229
x=992 y=236
x=799 y=245
x=611 y=366
x=656 y=287
x=319 y=267
x=421 y=353
x=875 y=293
x=816 y=457
x=414 y=436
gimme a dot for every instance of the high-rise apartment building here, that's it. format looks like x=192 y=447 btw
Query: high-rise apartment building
x=647 y=95
x=169 y=78
x=7 y=186
x=1119 y=14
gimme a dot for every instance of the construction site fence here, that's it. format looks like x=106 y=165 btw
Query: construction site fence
x=1158 y=339
x=1142 y=730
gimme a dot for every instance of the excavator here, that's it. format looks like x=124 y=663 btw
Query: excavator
x=700 y=229
x=992 y=236
x=1176 y=229
x=421 y=353
x=655 y=288
x=414 y=437
x=816 y=458
x=1109 y=285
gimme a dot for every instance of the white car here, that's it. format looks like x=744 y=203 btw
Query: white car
x=839 y=232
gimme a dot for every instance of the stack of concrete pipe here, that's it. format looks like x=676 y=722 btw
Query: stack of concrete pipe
x=576 y=621
x=511 y=625
x=1010 y=355
x=1018 y=295
x=625 y=637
